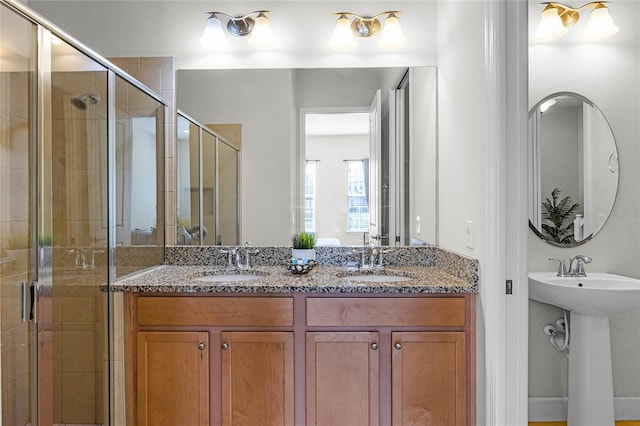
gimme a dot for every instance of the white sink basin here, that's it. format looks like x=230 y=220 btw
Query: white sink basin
x=595 y=294
x=365 y=277
x=233 y=276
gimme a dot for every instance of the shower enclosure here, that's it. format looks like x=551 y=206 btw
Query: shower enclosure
x=81 y=204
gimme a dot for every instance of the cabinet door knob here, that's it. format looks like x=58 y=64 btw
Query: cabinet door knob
x=374 y=346
x=398 y=346
x=201 y=346
x=225 y=346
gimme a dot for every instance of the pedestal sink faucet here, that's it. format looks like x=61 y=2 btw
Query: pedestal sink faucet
x=576 y=265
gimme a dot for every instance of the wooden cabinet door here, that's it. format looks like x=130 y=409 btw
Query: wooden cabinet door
x=342 y=379
x=428 y=378
x=257 y=378
x=172 y=378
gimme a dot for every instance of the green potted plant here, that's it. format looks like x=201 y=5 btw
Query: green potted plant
x=303 y=245
x=561 y=215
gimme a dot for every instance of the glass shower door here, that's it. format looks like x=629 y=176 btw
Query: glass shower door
x=53 y=229
x=17 y=333
x=73 y=227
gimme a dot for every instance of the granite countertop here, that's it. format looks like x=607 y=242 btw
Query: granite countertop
x=277 y=279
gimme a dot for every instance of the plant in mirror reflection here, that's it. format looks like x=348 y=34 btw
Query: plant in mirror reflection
x=303 y=240
x=561 y=215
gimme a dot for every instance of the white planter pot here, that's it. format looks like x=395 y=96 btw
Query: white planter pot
x=303 y=254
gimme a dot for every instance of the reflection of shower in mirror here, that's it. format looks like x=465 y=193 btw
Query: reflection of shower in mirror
x=80 y=102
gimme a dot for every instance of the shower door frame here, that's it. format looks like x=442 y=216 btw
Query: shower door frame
x=43 y=286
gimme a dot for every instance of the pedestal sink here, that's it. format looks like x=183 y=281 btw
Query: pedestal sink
x=591 y=300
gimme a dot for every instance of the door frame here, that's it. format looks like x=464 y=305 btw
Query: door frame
x=506 y=315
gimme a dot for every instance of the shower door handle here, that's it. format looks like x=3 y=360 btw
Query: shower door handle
x=27 y=301
x=32 y=301
x=23 y=302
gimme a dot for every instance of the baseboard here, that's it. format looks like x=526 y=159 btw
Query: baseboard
x=618 y=423
x=555 y=409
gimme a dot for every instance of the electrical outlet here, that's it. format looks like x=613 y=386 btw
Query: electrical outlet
x=469 y=236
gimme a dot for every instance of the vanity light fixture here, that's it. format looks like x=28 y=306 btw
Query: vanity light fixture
x=556 y=19
x=254 y=24
x=349 y=26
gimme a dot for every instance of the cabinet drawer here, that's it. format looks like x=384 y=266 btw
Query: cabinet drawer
x=436 y=311
x=216 y=311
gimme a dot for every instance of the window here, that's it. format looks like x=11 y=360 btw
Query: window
x=357 y=200
x=310 y=197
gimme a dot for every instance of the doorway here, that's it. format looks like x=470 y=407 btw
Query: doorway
x=336 y=189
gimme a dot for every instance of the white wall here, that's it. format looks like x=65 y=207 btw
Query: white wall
x=461 y=143
x=607 y=74
x=143 y=174
x=424 y=149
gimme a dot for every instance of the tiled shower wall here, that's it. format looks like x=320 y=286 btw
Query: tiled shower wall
x=79 y=256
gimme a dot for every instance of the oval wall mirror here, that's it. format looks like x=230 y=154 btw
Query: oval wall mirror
x=573 y=169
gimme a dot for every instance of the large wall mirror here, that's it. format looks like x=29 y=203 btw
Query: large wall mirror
x=573 y=169
x=267 y=105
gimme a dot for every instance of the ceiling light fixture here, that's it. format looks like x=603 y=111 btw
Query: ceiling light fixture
x=349 y=26
x=556 y=19
x=254 y=24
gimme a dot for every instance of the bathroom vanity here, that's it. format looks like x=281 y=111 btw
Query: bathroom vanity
x=282 y=349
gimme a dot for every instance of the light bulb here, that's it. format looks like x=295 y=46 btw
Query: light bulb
x=550 y=26
x=261 y=35
x=342 y=39
x=392 y=37
x=213 y=34
x=600 y=24
x=547 y=104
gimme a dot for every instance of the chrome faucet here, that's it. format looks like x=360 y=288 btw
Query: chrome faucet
x=231 y=254
x=81 y=258
x=375 y=251
x=562 y=267
x=576 y=265
x=239 y=257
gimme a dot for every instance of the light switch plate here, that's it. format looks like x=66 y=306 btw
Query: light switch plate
x=469 y=234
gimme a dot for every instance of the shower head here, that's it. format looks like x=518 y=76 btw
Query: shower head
x=80 y=102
